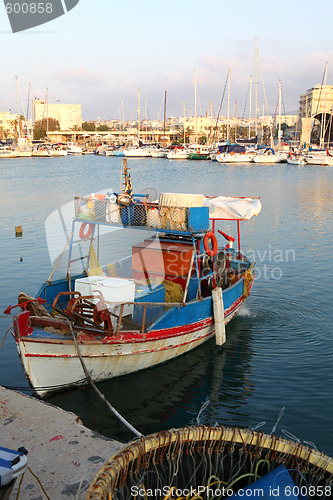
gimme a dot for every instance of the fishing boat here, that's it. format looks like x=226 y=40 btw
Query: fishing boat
x=115 y=313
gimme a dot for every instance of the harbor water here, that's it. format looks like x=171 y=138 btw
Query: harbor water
x=275 y=372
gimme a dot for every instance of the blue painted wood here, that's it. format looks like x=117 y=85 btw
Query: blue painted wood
x=195 y=311
x=189 y=313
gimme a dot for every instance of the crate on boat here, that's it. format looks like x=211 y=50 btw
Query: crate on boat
x=163 y=257
x=118 y=290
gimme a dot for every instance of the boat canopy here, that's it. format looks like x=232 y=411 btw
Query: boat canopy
x=232 y=148
x=232 y=208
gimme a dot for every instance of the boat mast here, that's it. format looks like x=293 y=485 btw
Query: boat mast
x=28 y=107
x=184 y=120
x=195 y=106
x=256 y=86
x=280 y=99
x=250 y=106
x=139 y=115
x=18 y=113
x=323 y=122
x=263 y=123
x=146 y=119
x=235 y=120
x=47 y=114
x=228 y=111
x=164 y=117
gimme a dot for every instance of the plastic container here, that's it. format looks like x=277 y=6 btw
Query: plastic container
x=276 y=484
x=113 y=213
x=12 y=465
x=113 y=290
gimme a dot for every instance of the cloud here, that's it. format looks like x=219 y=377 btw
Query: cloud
x=80 y=76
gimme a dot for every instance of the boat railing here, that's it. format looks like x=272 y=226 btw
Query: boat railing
x=122 y=211
x=94 y=310
x=139 y=314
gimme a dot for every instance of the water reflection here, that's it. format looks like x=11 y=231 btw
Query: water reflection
x=171 y=395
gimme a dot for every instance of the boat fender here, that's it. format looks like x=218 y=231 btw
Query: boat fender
x=218 y=311
x=210 y=236
x=84 y=235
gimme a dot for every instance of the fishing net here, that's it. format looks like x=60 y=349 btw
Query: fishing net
x=211 y=463
x=126 y=212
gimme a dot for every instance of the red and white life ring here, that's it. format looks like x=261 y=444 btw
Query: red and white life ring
x=210 y=236
x=84 y=235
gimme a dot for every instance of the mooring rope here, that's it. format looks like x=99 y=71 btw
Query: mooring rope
x=5 y=335
x=100 y=394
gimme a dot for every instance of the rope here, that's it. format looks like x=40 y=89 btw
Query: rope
x=9 y=329
x=103 y=398
x=38 y=480
x=219 y=110
x=245 y=104
x=278 y=419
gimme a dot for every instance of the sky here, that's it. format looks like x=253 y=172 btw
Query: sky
x=102 y=51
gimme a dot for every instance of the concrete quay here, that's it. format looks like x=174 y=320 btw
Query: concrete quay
x=63 y=454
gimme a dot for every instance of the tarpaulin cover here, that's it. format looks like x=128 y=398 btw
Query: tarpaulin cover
x=232 y=148
x=226 y=207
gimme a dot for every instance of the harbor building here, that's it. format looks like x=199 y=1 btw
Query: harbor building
x=8 y=124
x=69 y=116
x=315 y=115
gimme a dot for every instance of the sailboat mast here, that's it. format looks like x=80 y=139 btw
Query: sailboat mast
x=28 y=107
x=47 y=113
x=195 y=106
x=323 y=122
x=184 y=120
x=256 y=85
x=146 y=119
x=139 y=114
x=228 y=111
x=250 y=106
x=164 y=117
x=17 y=108
x=280 y=99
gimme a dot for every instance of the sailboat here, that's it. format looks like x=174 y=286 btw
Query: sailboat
x=24 y=144
x=161 y=152
x=137 y=151
x=199 y=152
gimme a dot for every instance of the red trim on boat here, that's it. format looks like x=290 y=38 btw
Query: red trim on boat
x=145 y=351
